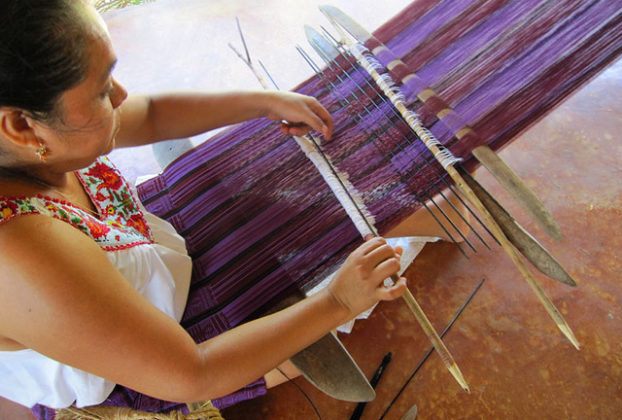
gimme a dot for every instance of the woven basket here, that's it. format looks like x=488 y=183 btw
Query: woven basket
x=204 y=411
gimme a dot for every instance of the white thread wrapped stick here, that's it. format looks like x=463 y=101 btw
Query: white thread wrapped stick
x=446 y=159
x=493 y=163
x=408 y=297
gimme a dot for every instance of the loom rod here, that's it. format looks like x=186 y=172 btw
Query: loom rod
x=490 y=160
x=430 y=332
x=423 y=133
x=322 y=49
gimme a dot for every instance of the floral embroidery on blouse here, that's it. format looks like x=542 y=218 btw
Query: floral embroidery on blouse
x=121 y=224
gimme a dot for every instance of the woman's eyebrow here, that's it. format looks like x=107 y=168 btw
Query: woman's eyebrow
x=109 y=70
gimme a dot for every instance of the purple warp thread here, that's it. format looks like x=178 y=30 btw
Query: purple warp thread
x=503 y=64
x=259 y=219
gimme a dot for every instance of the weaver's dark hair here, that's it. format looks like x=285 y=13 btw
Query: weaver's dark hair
x=42 y=53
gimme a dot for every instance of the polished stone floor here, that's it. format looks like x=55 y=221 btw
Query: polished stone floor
x=517 y=363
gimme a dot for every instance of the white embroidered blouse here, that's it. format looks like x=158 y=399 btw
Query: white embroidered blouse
x=144 y=248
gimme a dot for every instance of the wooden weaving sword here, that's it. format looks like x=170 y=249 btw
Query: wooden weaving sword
x=448 y=161
x=518 y=189
x=328 y=365
x=490 y=160
x=522 y=240
x=517 y=235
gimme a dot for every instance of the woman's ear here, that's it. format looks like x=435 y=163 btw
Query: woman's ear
x=16 y=127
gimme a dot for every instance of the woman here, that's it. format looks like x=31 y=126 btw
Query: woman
x=83 y=312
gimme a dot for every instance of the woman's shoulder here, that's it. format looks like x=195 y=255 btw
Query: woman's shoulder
x=24 y=230
x=38 y=256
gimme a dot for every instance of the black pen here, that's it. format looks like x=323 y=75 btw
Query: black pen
x=358 y=411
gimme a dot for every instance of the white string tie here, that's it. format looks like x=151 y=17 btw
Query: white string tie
x=397 y=98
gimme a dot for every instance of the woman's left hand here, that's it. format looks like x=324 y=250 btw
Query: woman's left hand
x=298 y=114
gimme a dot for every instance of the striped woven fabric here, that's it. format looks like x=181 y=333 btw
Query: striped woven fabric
x=501 y=65
x=257 y=216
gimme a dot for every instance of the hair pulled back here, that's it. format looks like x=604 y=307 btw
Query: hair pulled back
x=42 y=53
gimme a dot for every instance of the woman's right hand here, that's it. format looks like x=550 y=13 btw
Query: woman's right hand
x=359 y=283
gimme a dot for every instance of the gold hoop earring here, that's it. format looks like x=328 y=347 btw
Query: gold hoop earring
x=42 y=152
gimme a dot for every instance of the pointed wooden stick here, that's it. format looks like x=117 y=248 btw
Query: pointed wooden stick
x=493 y=163
x=447 y=160
x=408 y=297
x=524 y=242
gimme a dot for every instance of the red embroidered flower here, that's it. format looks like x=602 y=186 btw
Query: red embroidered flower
x=137 y=222
x=111 y=209
x=112 y=181
x=7 y=210
x=97 y=229
x=97 y=170
x=110 y=178
x=51 y=206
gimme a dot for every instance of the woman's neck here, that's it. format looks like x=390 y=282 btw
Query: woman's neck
x=66 y=187
x=31 y=178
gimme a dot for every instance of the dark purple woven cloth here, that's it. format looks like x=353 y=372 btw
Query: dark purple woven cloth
x=501 y=65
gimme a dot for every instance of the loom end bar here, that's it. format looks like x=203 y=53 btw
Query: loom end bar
x=518 y=189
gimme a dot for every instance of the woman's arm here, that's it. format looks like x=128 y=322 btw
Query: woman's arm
x=60 y=296
x=147 y=120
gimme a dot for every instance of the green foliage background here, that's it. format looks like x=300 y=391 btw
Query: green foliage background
x=103 y=5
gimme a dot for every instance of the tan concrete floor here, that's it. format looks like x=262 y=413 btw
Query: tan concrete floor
x=517 y=363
